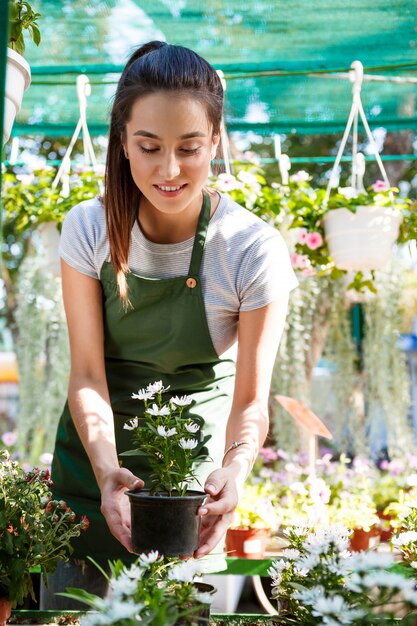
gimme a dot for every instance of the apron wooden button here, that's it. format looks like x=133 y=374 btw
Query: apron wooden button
x=191 y=283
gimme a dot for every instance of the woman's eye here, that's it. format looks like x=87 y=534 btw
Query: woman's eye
x=148 y=150
x=190 y=150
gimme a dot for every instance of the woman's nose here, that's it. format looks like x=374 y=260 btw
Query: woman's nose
x=169 y=168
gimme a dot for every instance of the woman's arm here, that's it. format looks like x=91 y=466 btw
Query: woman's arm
x=89 y=401
x=259 y=334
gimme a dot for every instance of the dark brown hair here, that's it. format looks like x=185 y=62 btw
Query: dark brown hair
x=154 y=67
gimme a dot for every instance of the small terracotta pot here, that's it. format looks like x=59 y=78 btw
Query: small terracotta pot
x=247 y=543
x=5 y=611
x=385 y=528
x=361 y=538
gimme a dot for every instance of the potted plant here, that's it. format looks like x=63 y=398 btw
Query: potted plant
x=21 y=18
x=164 y=514
x=153 y=591
x=255 y=518
x=318 y=581
x=35 y=530
x=361 y=226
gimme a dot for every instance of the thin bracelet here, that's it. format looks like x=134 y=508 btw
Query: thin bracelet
x=233 y=446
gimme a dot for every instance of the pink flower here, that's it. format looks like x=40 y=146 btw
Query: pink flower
x=314 y=240
x=302 y=237
x=299 y=261
x=9 y=438
x=268 y=454
x=380 y=185
x=300 y=177
x=309 y=271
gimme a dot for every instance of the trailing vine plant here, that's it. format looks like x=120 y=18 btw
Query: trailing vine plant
x=387 y=381
x=42 y=352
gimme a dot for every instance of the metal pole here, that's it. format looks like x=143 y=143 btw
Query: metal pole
x=4 y=14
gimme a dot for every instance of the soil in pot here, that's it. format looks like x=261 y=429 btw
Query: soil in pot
x=168 y=524
x=248 y=543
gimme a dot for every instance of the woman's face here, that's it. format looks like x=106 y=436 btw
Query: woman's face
x=169 y=142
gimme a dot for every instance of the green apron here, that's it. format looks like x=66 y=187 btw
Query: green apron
x=163 y=336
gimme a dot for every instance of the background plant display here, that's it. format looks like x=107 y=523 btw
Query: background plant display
x=35 y=530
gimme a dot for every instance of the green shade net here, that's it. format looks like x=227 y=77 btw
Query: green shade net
x=244 y=39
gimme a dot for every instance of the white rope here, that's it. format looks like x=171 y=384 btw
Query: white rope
x=358 y=162
x=83 y=91
x=224 y=137
x=370 y=77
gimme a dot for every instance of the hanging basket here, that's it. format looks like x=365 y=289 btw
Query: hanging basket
x=362 y=240
x=17 y=81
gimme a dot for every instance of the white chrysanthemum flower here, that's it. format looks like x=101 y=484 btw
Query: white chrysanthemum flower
x=309 y=596
x=291 y=554
x=147 y=559
x=134 y=571
x=184 y=572
x=131 y=424
x=309 y=561
x=181 y=401
x=404 y=538
x=166 y=432
x=188 y=444
x=410 y=595
x=331 y=605
x=143 y=394
x=123 y=586
x=192 y=427
x=386 y=579
x=112 y=610
x=157 y=387
x=156 y=411
x=278 y=567
x=366 y=561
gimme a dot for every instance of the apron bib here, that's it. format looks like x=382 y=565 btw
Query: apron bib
x=164 y=336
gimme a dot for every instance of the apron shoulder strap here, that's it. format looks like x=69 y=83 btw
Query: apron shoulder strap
x=200 y=237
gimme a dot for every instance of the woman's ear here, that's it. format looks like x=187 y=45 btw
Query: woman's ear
x=215 y=144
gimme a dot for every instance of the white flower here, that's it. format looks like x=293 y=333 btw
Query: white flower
x=192 y=427
x=248 y=178
x=181 y=401
x=166 y=432
x=348 y=192
x=157 y=387
x=131 y=424
x=46 y=458
x=184 y=572
x=291 y=553
x=124 y=585
x=331 y=605
x=277 y=567
x=147 y=559
x=134 y=571
x=111 y=610
x=300 y=177
x=404 y=538
x=365 y=561
x=309 y=561
x=226 y=182
x=188 y=444
x=143 y=394
x=156 y=411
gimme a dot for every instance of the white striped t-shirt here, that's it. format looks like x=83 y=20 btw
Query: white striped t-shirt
x=245 y=266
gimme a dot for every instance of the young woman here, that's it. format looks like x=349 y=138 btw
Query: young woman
x=162 y=278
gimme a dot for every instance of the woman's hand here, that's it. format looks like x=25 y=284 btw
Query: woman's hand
x=115 y=504
x=217 y=511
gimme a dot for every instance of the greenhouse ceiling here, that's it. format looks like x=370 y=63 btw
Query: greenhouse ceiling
x=285 y=61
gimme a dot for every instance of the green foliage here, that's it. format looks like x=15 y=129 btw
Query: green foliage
x=21 y=18
x=168 y=439
x=30 y=200
x=35 y=530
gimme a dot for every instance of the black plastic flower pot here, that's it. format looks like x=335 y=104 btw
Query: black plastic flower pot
x=168 y=524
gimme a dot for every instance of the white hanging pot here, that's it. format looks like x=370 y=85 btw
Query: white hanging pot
x=18 y=79
x=362 y=240
x=50 y=237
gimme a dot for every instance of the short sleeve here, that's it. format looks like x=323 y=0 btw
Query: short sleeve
x=266 y=274
x=78 y=244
